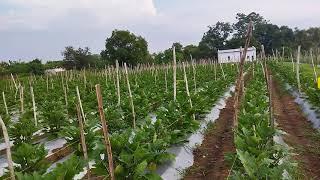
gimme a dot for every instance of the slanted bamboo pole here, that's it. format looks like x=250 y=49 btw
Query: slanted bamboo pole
x=130 y=96
x=8 y=151
x=80 y=104
x=187 y=87
x=5 y=103
x=83 y=140
x=14 y=82
x=34 y=107
x=239 y=84
x=105 y=131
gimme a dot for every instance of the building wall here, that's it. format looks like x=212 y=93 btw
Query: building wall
x=228 y=57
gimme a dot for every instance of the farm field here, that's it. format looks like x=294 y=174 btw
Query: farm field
x=138 y=138
x=243 y=103
x=50 y=138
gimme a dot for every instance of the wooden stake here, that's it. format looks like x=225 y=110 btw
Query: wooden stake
x=34 y=107
x=83 y=139
x=21 y=99
x=292 y=63
x=298 y=69
x=187 y=87
x=165 y=80
x=65 y=96
x=47 y=84
x=105 y=131
x=5 y=103
x=80 y=104
x=215 y=70
x=130 y=96
x=8 y=151
x=270 y=101
x=118 y=83
x=174 y=75
x=239 y=84
x=314 y=69
x=194 y=75
x=14 y=82
x=224 y=77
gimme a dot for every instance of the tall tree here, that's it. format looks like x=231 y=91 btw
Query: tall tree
x=215 y=38
x=76 y=58
x=167 y=56
x=125 y=47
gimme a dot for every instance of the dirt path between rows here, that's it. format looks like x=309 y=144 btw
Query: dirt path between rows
x=301 y=136
x=209 y=161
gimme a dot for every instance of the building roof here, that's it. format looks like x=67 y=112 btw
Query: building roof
x=235 y=50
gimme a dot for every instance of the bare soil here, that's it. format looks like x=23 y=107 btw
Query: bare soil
x=209 y=159
x=300 y=134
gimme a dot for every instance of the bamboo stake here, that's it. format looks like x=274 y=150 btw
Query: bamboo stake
x=47 y=84
x=224 y=77
x=5 y=103
x=80 y=104
x=105 y=131
x=314 y=69
x=83 y=139
x=174 y=75
x=292 y=63
x=130 y=96
x=21 y=99
x=194 y=75
x=14 y=82
x=65 y=96
x=270 y=101
x=298 y=69
x=84 y=78
x=165 y=80
x=118 y=83
x=34 y=107
x=187 y=87
x=215 y=70
x=8 y=151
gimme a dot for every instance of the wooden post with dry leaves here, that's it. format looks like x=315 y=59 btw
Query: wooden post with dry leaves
x=239 y=84
x=83 y=139
x=105 y=131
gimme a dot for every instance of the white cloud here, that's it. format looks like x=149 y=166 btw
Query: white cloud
x=39 y=14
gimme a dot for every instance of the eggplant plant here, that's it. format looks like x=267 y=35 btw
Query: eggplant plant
x=22 y=131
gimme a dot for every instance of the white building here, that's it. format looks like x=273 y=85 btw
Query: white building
x=54 y=71
x=234 y=55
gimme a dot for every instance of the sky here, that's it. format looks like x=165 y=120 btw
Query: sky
x=32 y=29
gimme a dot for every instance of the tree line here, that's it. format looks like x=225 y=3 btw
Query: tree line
x=132 y=49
